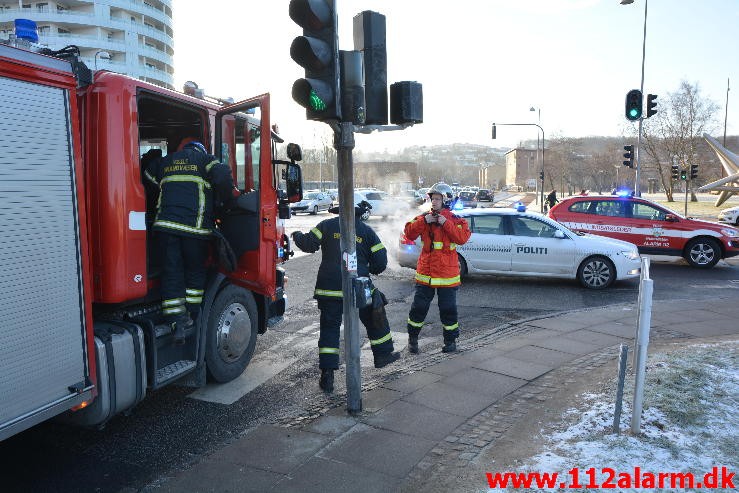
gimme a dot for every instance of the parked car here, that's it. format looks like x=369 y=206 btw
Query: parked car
x=382 y=203
x=467 y=199
x=313 y=203
x=412 y=197
x=653 y=228
x=484 y=195
x=730 y=215
x=512 y=243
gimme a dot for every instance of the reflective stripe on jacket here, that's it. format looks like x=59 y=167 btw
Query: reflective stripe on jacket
x=326 y=236
x=438 y=265
x=187 y=182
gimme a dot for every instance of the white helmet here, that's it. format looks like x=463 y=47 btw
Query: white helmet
x=444 y=190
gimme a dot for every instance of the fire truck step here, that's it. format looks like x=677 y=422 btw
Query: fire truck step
x=173 y=371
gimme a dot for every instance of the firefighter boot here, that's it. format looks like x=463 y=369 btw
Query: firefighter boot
x=413 y=344
x=382 y=360
x=449 y=346
x=327 y=380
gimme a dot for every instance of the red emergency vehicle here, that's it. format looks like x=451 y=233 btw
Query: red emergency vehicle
x=80 y=308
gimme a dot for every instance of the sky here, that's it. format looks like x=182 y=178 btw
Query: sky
x=479 y=61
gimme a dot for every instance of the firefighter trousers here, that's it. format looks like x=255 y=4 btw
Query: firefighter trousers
x=183 y=275
x=332 y=310
x=447 y=310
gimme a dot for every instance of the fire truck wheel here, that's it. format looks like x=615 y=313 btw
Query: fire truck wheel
x=232 y=334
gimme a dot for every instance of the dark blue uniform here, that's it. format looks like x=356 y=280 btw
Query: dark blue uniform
x=189 y=184
x=371 y=259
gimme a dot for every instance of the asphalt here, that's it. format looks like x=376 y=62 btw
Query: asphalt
x=440 y=410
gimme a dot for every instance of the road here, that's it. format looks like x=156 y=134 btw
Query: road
x=176 y=426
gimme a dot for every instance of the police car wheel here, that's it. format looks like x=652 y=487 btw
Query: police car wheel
x=703 y=253
x=462 y=266
x=232 y=334
x=596 y=272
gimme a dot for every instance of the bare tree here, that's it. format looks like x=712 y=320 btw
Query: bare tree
x=672 y=135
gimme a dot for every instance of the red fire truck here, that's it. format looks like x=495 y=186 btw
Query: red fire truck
x=81 y=336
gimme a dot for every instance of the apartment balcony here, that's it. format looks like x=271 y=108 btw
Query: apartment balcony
x=140 y=7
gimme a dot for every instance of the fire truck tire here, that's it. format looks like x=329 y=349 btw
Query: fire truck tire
x=232 y=334
x=702 y=252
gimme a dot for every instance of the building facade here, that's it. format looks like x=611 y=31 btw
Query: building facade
x=521 y=168
x=133 y=37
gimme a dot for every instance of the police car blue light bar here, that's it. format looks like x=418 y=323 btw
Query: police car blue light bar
x=519 y=207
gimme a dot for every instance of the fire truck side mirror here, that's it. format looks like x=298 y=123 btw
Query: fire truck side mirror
x=294 y=183
x=294 y=152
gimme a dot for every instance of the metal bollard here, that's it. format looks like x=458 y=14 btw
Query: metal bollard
x=645 y=320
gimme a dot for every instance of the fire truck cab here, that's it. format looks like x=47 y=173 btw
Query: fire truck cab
x=82 y=334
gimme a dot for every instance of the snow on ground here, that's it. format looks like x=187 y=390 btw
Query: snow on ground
x=690 y=423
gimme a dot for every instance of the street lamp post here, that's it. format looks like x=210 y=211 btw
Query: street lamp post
x=543 y=145
x=538 y=110
x=104 y=55
x=637 y=151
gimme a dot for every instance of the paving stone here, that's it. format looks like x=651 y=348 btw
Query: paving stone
x=493 y=385
x=288 y=447
x=450 y=366
x=542 y=356
x=514 y=367
x=592 y=337
x=383 y=451
x=377 y=399
x=217 y=476
x=320 y=475
x=568 y=346
x=450 y=399
x=413 y=381
x=416 y=420
x=331 y=425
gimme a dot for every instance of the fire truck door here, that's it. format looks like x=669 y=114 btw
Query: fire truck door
x=243 y=142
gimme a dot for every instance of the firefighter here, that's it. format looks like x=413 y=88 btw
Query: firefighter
x=187 y=179
x=371 y=259
x=437 y=269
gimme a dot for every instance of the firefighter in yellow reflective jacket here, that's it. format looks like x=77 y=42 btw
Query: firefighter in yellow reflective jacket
x=190 y=183
x=371 y=259
x=438 y=266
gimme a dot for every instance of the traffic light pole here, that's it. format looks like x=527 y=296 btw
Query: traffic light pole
x=344 y=144
x=637 y=186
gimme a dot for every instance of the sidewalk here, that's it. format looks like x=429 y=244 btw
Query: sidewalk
x=420 y=425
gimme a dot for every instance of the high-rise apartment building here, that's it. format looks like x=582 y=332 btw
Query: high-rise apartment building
x=133 y=37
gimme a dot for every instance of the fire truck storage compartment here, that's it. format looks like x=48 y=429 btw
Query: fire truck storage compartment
x=120 y=357
x=42 y=345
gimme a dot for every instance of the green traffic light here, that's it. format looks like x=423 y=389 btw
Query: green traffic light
x=634 y=112
x=316 y=103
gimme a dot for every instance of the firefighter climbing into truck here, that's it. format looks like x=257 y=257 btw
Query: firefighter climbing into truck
x=84 y=335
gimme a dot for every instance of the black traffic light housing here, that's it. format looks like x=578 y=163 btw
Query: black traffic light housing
x=693 y=171
x=683 y=174
x=651 y=105
x=633 y=105
x=629 y=155
x=317 y=51
x=369 y=38
x=675 y=172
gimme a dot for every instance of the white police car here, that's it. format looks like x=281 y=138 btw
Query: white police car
x=512 y=242
x=730 y=215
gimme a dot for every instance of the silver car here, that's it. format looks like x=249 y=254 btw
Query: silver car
x=512 y=243
x=312 y=203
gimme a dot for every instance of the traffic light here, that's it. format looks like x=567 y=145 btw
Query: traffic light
x=675 y=171
x=369 y=38
x=651 y=105
x=317 y=51
x=633 y=105
x=693 y=171
x=629 y=155
x=683 y=174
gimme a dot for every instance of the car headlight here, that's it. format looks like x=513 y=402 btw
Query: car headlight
x=630 y=254
x=730 y=232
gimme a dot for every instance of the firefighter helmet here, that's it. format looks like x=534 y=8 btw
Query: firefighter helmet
x=362 y=210
x=444 y=190
x=196 y=146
